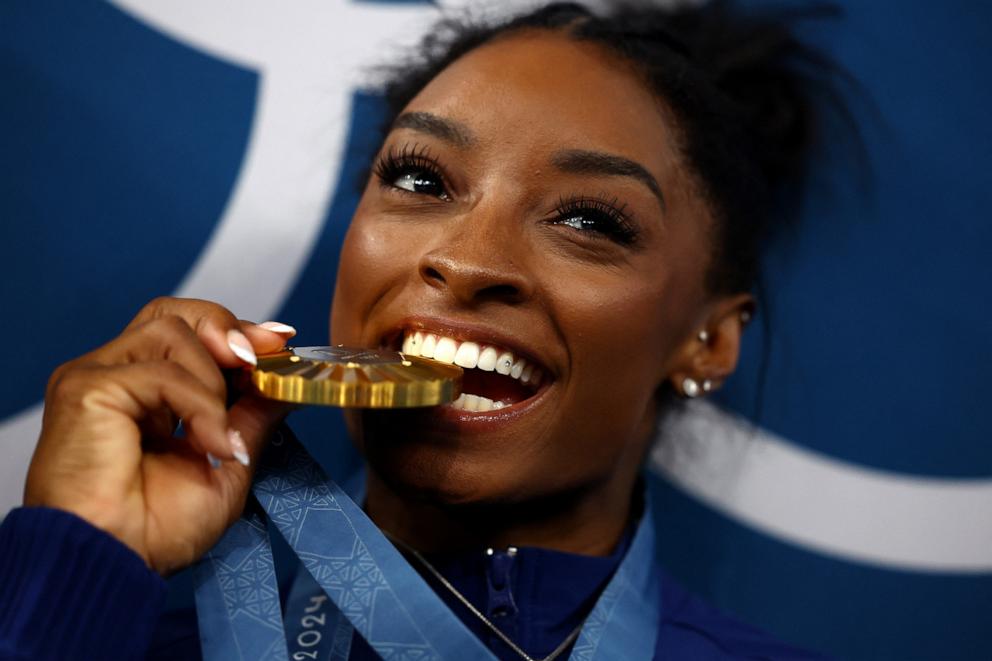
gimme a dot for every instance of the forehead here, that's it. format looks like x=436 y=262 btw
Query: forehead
x=544 y=89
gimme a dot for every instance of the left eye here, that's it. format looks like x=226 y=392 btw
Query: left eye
x=420 y=181
x=601 y=218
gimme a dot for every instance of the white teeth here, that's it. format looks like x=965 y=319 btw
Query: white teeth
x=471 y=355
x=467 y=355
x=468 y=402
x=487 y=359
x=504 y=362
x=428 y=347
x=445 y=350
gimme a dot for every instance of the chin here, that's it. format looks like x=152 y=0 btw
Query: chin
x=427 y=473
x=434 y=467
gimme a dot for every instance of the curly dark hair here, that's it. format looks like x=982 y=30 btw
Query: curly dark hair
x=738 y=85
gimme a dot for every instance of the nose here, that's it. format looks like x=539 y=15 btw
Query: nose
x=477 y=260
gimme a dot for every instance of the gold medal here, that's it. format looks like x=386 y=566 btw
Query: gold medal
x=355 y=378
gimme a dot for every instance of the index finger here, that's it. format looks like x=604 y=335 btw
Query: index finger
x=223 y=335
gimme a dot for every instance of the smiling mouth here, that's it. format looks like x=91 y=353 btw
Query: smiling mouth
x=495 y=377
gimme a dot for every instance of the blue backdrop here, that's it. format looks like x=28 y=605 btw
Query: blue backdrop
x=123 y=142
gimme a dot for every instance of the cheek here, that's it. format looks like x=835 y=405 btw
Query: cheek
x=624 y=336
x=620 y=338
x=373 y=258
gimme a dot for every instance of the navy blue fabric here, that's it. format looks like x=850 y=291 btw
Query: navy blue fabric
x=68 y=590
x=535 y=596
x=53 y=563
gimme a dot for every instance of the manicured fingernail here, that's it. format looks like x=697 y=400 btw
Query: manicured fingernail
x=276 y=327
x=214 y=461
x=238 y=447
x=241 y=346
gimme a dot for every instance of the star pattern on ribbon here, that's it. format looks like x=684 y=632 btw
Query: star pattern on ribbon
x=249 y=587
x=352 y=582
x=290 y=489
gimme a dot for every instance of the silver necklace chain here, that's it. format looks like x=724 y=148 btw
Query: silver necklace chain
x=475 y=611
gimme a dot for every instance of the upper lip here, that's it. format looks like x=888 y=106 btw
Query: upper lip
x=465 y=332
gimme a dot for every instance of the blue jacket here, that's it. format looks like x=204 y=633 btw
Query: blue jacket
x=70 y=591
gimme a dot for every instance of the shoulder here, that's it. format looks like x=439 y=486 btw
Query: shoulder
x=691 y=628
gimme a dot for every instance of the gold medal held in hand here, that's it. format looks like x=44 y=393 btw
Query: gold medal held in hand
x=355 y=378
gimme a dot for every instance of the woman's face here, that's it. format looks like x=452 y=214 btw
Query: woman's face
x=529 y=199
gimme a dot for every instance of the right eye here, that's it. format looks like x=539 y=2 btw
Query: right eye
x=413 y=170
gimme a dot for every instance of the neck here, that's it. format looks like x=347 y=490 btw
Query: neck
x=585 y=521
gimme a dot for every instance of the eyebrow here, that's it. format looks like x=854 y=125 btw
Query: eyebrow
x=446 y=129
x=581 y=161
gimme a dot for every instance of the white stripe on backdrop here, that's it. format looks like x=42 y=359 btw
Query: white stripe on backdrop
x=829 y=506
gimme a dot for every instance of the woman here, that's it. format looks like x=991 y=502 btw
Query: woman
x=573 y=199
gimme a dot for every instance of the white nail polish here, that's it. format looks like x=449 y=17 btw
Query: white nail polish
x=241 y=347
x=276 y=327
x=213 y=461
x=238 y=447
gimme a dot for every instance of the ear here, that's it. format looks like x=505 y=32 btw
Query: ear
x=709 y=355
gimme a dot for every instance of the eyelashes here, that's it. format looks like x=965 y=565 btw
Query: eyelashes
x=606 y=217
x=412 y=169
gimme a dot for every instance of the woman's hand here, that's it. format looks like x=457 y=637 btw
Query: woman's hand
x=107 y=451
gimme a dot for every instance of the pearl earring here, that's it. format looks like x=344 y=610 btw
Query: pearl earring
x=707 y=386
x=745 y=317
x=690 y=388
x=703 y=336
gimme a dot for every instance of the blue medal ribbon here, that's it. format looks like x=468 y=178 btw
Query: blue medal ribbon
x=237 y=595
x=356 y=580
